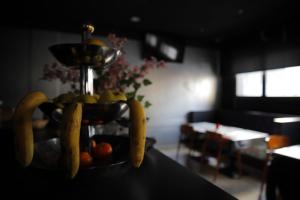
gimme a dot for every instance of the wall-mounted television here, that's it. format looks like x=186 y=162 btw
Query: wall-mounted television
x=163 y=48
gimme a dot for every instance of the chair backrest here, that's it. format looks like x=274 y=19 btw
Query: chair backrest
x=186 y=129
x=214 y=136
x=213 y=143
x=276 y=141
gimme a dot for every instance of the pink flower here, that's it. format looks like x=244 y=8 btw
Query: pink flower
x=142 y=75
x=136 y=69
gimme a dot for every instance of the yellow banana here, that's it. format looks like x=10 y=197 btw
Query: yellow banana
x=24 y=144
x=70 y=135
x=138 y=130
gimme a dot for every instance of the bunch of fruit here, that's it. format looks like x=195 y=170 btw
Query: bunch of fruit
x=100 y=152
x=70 y=129
x=108 y=96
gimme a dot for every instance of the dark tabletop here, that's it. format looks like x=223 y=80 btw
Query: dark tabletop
x=283 y=174
x=159 y=177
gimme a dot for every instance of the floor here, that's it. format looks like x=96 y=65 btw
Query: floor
x=245 y=187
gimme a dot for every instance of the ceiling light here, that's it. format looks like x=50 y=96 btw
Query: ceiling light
x=240 y=11
x=135 y=19
x=286 y=119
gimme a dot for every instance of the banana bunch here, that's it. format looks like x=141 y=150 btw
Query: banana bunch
x=70 y=132
x=108 y=96
x=65 y=98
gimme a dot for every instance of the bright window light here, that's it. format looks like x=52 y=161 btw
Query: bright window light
x=249 y=84
x=284 y=82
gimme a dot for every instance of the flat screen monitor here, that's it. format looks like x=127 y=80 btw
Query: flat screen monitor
x=163 y=48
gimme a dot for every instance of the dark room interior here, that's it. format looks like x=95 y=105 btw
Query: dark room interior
x=148 y=99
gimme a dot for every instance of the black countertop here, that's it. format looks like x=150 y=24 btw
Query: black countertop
x=283 y=175
x=159 y=177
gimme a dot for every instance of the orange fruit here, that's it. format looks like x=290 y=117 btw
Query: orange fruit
x=86 y=159
x=103 y=150
x=95 y=41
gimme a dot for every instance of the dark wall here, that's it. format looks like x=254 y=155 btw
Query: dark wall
x=14 y=73
x=266 y=51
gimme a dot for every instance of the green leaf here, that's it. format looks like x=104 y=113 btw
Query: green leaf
x=130 y=94
x=136 y=86
x=147 y=104
x=140 y=98
x=130 y=81
x=123 y=82
x=136 y=75
x=147 y=82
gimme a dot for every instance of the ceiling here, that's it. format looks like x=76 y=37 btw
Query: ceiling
x=196 y=21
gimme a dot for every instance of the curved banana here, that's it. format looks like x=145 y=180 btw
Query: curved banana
x=138 y=130
x=70 y=135
x=24 y=144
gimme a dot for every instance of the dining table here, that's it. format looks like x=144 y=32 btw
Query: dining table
x=292 y=152
x=159 y=177
x=240 y=140
x=232 y=133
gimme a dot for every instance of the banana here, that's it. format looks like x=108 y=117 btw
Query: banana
x=138 y=130
x=70 y=135
x=24 y=144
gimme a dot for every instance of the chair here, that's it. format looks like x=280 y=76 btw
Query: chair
x=274 y=141
x=188 y=137
x=218 y=147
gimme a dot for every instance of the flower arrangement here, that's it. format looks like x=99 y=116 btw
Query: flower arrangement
x=120 y=76
x=64 y=74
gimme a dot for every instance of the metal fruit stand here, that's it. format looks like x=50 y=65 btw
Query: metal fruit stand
x=87 y=57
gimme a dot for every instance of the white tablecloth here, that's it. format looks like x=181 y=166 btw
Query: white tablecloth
x=291 y=151
x=242 y=138
x=230 y=132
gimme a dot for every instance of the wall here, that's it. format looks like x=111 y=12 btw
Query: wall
x=176 y=90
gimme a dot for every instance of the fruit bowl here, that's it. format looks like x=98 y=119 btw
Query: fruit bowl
x=47 y=156
x=79 y=54
x=93 y=114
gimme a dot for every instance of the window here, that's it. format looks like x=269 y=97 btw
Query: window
x=284 y=82
x=249 y=84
